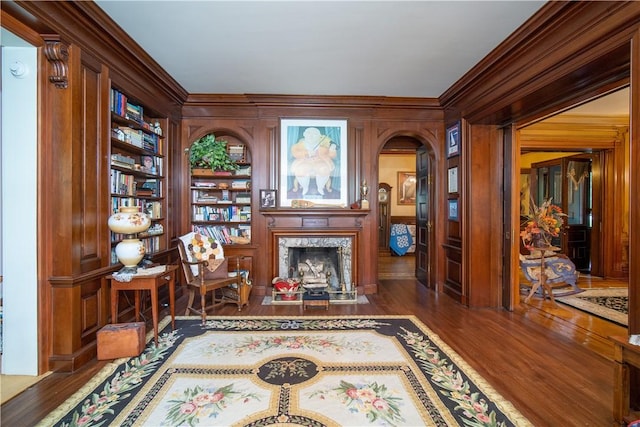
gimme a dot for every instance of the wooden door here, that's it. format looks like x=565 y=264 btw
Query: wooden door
x=424 y=219
x=577 y=206
x=568 y=182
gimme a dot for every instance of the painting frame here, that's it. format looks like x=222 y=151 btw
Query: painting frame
x=453 y=210
x=453 y=140
x=406 y=188
x=268 y=198
x=315 y=171
x=453 y=180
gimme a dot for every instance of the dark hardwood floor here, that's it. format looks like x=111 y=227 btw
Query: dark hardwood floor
x=551 y=367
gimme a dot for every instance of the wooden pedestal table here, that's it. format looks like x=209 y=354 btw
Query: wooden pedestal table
x=625 y=355
x=542 y=280
x=146 y=282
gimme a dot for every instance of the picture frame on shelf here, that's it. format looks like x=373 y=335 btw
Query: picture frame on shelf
x=453 y=180
x=268 y=198
x=453 y=140
x=313 y=162
x=453 y=209
x=407 y=188
x=148 y=164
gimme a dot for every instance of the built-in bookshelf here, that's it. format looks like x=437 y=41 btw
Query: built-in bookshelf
x=221 y=201
x=137 y=168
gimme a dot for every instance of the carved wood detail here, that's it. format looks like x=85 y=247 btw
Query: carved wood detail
x=57 y=53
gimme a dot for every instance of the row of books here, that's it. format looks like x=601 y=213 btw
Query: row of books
x=127 y=185
x=122 y=161
x=230 y=213
x=122 y=183
x=223 y=234
x=219 y=196
x=151 y=208
x=121 y=106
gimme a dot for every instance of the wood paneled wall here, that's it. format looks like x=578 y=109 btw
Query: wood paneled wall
x=255 y=120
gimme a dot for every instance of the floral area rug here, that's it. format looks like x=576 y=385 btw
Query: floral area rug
x=608 y=303
x=311 y=371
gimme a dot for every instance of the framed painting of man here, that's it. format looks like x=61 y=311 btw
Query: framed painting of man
x=313 y=162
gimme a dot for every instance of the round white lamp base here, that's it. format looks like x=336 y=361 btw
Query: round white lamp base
x=130 y=252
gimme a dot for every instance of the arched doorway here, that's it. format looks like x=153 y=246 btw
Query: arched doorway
x=406 y=167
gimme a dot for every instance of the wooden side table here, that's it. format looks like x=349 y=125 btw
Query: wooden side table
x=624 y=356
x=151 y=283
x=542 y=281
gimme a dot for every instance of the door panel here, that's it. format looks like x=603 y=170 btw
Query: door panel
x=578 y=230
x=423 y=218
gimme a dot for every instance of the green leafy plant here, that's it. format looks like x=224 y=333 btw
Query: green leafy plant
x=211 y=153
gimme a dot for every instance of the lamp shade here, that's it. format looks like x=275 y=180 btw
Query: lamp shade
x=129 y=220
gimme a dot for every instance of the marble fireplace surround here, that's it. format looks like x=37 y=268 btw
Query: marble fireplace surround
x=342 y=245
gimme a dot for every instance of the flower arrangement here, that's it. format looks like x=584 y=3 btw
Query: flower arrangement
x=543 y=223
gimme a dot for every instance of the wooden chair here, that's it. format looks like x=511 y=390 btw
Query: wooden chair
x=225 y=289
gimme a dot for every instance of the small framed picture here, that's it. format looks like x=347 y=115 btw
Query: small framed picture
x=453 y=180
x=268 y=199
x=148 y=164
x=453 y=140
x=453 y=209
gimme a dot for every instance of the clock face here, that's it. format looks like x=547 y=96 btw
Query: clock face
x=382 y=196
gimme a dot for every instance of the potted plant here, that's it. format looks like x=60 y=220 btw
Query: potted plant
x=211 y=154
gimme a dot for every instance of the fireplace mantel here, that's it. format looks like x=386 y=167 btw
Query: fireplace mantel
x=315 y=218
x=316 y=223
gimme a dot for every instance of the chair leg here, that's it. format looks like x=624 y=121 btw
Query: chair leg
x=203 y=306
x=192 y=295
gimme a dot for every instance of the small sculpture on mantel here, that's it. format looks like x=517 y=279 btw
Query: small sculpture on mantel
x=364 y=193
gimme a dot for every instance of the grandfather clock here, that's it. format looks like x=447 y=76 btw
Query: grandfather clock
x=384 y=215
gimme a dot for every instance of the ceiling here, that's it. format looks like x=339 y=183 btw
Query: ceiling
x=359 y=48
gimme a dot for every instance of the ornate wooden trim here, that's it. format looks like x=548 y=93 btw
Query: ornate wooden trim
x=57 y=53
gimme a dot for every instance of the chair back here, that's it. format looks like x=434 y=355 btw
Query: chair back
x=184 y=262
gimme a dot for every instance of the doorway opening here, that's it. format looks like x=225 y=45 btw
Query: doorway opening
x=403 y=235
x=580 y=159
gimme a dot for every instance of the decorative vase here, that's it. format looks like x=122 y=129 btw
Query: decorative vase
x=287 y=288
x=129 y=221
x=540 y=240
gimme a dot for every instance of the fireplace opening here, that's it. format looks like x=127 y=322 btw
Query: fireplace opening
x=315 y=266
x=314 y=259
